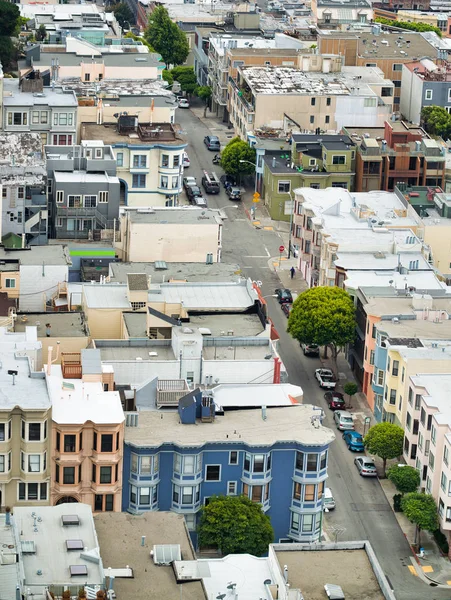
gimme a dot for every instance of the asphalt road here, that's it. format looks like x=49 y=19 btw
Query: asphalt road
x=362 y=511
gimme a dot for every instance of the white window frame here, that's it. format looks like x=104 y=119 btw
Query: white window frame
x=59 y=196
x=428 y=94
x=89 y=196
x=237 y=457
x=312 y=162
x=99 y=153
x=213 y=480
x=103 y=197
x=8 y=282
x=283 y=182
x=5 y=462
x=232 y=488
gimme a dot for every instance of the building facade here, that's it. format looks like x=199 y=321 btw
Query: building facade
x=424 y=83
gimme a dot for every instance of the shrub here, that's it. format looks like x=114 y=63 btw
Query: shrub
x=441 y=540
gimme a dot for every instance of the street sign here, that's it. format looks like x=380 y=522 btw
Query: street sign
x=256 y=195
x=281 y=248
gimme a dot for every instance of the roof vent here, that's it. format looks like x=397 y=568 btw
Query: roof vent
x=165 y=554
x=70 y=520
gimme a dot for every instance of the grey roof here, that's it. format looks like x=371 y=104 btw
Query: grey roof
x=53 y=254
x=176 y=270
x=26 y=148
x=91 y=362
x=409 y=342
x=162 y=316
x=136 y=324
x=48 y=97
x=61 y=324
x=83 y=177
x=10 y=574
x=137 y=281
x=187 y=214
x=106 y=296
x=127 y=59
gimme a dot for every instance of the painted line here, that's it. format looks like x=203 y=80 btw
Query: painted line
x=248 y=256
x=268 y=228
x=428 y=569
x=412 y=570
x=256 y=222
x=267 y=252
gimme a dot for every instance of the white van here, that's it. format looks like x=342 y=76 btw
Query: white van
x=329 y=500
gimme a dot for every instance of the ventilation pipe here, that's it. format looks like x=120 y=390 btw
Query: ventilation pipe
x=49 y=357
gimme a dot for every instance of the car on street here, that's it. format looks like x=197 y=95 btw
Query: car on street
x=192 y=191
x=335 y=400
x=365 y=466
x=343 y=420
x=310 y=349
x=354 y=441
x=329 y=500
x=185 y=160
x=183 y=103
x=189 y=181
x=325 y=378
x=228 y=180
x=284 y=296
x=286 y=309
x=199 y=201
x=234 y=193
x=211 y=183
x=212 y=143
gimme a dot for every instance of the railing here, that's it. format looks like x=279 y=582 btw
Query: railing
x=169 y=391
x=82 y=211
x=71 y=365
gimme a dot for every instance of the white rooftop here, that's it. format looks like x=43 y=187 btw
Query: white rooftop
x=355 y=261
x=253 y=396
x=247 y=571
x=438 y=393
x=83 y=177
x=75 y=401
x=110 y=295
x=420 y=280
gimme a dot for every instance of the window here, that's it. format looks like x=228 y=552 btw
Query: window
x=63 y=119
x=187 y=465
x=212 y=473
x=283 y=187
x=32 y=491
x=164 y=181
x=431 y=461
x=139 y=161
x=17 y=118
x=309 y=492
x=441 y=507
x=109 y=502
x=397 y=67
x=395 y=368
x=19 y=216
x=144 y=495
x=443 y=482
x=34 y=432
x=103 y=197
x=403 y=374
x=328 y=101
x=185 y=494
x=120 y=159
x=433 y=434
x=327 y=119
x=59 y=196
x=312 y=119
x=369 y=102
x=139 y=181
x=409 y=421
x=446 y=455
x=428 y=95
x=380 y=377
x=87 y=76
x=165 y=160
x=106 y=444
x=338 y=159
x=68 y=475
x=418 y=404
x=300 y=461
x=146 y=465
x=90 y=201
x=134 y=463
x=4 y=192
x=322 y=461
x=35 y=117
x=259 y=463
x=312 y=462
x=105 y=474
x=10 y=283
x=175 y=182
x=233 y=457
x=313 y=101
x=297 y=490
x=231 y=488
x=5 y=462
x=5 y=430
x=44 y=117
x=133 y=494
x=295 y=521
x=393 y=397
x=61 y=139
x=69 y=443
x=307 y=523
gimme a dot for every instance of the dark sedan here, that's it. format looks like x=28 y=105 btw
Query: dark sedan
x=284 y=296
x=335 y=400
x=192 y=191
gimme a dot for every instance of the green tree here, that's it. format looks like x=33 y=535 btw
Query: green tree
x=350 y=389
x=204 y=93
x=9 y=19
x=167 y=76
x=236 y=151
x=405 y=478
x=124 y=16
x=138 y=38
x=235 y=525
x=186 y=77
x=323 y=316
x=166 y=37
x=421 y=510
x=420 y=27
x=436 y=120
x=385 y=440
x=41 y=33
x=7 y=51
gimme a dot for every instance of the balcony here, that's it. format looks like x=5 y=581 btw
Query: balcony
x=81 y=212
x=71 y=365
x=169 y=391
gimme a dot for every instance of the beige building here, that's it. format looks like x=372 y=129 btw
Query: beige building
x=25 y=422
x=87 y=432
x=185 y=234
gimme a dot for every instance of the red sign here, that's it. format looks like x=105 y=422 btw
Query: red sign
x=281 y=248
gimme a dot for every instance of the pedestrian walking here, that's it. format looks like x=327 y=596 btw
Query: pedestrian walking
x=292 y=271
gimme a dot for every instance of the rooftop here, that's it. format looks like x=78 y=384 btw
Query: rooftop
x=54 y=97
x=438 y=391
x=162 y=271
x=130 y=57
x=290 y=80
x=356 y=261
x=61 y=324
x=158 y=528
x=111 y=295
x=286 y=424
x=26 y=148
x=421 y=281
x=82 y=177
x=134 y=135
x=136 y=324
x=418 y=329
x=53 y=254
x=189 y=215
x=50 y=563
x=11 y=573
x=238 y=325
x=252 y=396
x=126 y=90
x=137 y=356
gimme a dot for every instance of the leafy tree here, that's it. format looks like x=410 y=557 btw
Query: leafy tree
x=166 y=37
x=41 y=33
x=7 y=51
x=385 y=440
x=420 y=27
x=236 y=151
x=167 y=76
x=124 y=16
x=186 y=77
x=235 y=525
x=9 y=19
x=323 y=316
x=138 y=38
x=421 y=510
x=350 y=389
x=204 y=93
x=405 y=478
x=436 y=120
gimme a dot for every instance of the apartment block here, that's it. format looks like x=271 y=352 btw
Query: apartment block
x=87 y=431
x=424 y=83
x=277 y=458
x=328 y=14
x=84 y=192
x=148 y=157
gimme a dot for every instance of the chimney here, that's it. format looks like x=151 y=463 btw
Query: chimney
x=49 y=360
x=277 y=365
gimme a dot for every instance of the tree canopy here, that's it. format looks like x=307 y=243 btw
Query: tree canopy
x=235 y=151
x=420 y=27
x=138 y=38
x=385 y=440
x=436 y=120
x=166 y=37
x=124 y=16
x=186 y=77
x=235 y=525
x=323 y=316
x=204 y=93
x=405 y=478
x=9 y=19
x=41 y=33
x=420 y=509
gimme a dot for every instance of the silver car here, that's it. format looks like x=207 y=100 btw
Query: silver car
x=343 y=420
x=365 y=466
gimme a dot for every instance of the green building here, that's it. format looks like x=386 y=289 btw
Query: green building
x=316 y=161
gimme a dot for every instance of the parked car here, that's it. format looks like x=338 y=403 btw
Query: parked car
x=192 y=191
x=310 y=349
x=183 y=103
x=354 y=441
x=212 y=143
x=329 y=500
x=325 y=378
x=284 y=296
x=365 y=466
x=343 y=420
x=185 y=160
x=286 y=309
x=335 y=400
x=234 y=193
x=199 y=201
x=211 y=183
x=228 y=180
x=189 y=181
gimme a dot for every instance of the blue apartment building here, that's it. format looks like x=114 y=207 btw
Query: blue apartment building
x=278 y=457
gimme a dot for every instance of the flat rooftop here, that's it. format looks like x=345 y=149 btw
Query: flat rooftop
x=438 y=392
x=53 y=254
x=421 y=281
x=286 y=424
x=10 y=573
x=61 y=324
x=247 y=325
x=155 y=134
x=377 y=261
x=246 y=352
x=56 y=97
x=127 y=90
x=149 y=580
x=136 y=324
x=115 y=353
x=188 y=215
x=309 y=570
x=290 y=80
x=418 y=328
x=167 y=271
x=258 y=395
x=81 y=177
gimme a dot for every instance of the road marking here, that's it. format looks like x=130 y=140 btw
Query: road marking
x=412 y=570
x=268 y=228
x=267 y=252
x=255 y=222
x=428 y=569
x=248 y=256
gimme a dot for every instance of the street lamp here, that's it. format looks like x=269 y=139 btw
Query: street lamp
x=249 y=162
